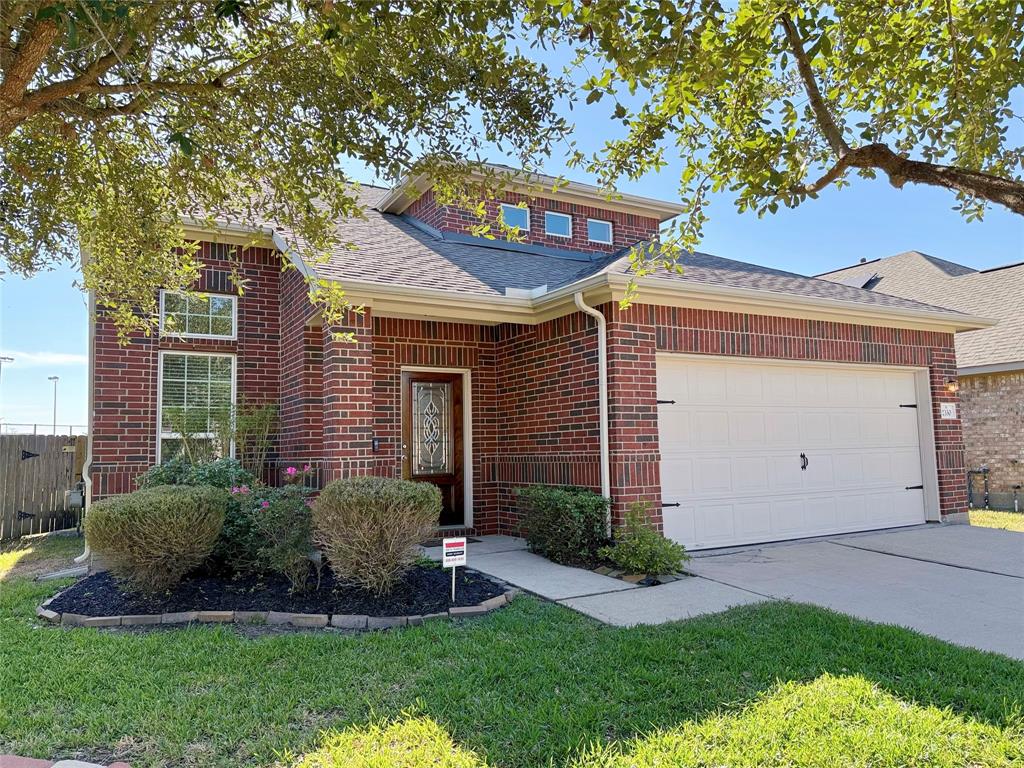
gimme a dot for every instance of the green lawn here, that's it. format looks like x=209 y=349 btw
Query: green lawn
x=1008 y=521
x=776 y=684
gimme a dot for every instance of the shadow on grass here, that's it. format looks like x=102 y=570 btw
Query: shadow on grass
x=529 y=684
x=32 y=556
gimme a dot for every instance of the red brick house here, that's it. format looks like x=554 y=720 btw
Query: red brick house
x=744 y=403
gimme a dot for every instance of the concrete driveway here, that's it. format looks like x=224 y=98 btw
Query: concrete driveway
x=958 y=583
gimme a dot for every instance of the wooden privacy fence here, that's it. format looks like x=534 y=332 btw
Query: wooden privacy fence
x=35 y=470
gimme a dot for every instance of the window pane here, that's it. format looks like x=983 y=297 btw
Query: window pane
x=220 y=395
x=198 y=305
x=199 y=324
x=174 y=367
x=557 y=224
x=599 y=231
x=515 y=216
x=220 y=306
x=174 y=392
x=197 y=367
x=220 y=326
x=174 y=302
x=220 y=368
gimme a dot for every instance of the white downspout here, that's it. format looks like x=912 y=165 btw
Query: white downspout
x=87 y=465
x=602 y=389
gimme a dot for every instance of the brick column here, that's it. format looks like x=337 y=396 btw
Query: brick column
x=633 y=410
x=949 y=443
x=348 y=398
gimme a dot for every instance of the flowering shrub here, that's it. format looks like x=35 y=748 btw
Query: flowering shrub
x=292 y=475
x=282 y=521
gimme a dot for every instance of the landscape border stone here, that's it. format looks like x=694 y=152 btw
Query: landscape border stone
x=357 y=622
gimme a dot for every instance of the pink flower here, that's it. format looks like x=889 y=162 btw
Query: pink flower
x=291 y=471
x=309 y=502
x=305 y=467
x=234 y=489
x=243 y=489
x=265 y=504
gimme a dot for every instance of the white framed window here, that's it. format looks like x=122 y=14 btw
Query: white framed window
x=557 y=224
x=599 y=231
x=516 y=216
x=195 y=395
x=200 y=316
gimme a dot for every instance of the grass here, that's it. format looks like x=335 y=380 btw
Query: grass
x=32 y=556
x=533 y=684
x=987 y=518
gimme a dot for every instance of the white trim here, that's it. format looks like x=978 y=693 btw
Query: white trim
x=524 y=208
x=977 y=370
x=409 y=189
x=611 y=231
x=160 y=387
x=926 y=439
x=562 y=216
x=925 y=420
x=467 y=430
x=212 y=336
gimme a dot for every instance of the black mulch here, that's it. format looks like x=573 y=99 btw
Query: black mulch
x=423 y=590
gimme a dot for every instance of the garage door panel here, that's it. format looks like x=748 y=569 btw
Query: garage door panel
x=747 y=429
x=750 y=473
x=711 y=429
x=731 y=448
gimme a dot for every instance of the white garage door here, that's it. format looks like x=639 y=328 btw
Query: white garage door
x=756 y=452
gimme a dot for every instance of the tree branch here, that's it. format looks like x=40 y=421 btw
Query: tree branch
x=28 y=56
x=901 y=170
x=828 y=126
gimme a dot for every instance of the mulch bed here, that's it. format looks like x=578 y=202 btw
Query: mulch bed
x=423 y=590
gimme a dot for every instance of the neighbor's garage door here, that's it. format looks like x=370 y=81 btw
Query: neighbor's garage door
x=755 y=452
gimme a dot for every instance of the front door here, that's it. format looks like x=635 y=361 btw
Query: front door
x=432 y=437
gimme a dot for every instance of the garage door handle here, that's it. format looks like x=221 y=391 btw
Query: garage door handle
x=803 y=461
x=672 y=504
x=914 y=488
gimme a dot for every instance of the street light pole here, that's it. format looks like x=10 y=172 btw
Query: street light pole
x=54 y=379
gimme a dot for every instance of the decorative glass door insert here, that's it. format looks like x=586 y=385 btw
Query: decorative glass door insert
x=432 y=427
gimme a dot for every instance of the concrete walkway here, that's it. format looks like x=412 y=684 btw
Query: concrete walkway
x=958 y=583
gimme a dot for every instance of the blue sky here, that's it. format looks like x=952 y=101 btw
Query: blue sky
x=43 y=320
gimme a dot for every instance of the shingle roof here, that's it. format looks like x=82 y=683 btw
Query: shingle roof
x=391 y=250
x=995 y=293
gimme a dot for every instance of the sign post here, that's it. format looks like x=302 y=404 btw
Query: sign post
x=453 y=554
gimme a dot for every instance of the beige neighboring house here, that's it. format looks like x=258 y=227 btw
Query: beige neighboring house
x=990 y=362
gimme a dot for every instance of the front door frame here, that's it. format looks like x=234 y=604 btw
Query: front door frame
x=467 y=431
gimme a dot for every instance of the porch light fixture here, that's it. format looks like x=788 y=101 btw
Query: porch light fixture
x=952 y=385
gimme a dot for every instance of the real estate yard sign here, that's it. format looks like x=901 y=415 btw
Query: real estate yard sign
x=453 y=554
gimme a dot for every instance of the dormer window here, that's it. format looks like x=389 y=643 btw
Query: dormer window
x=599 y=231
x=516 y=216
x=557 y=224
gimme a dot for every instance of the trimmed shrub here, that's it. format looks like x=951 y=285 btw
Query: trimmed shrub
x=640 y=548
x=282 y=521
x=153 y=537
x=237 y=548
x=563 y=523
x=369 y=528
x=221 y=473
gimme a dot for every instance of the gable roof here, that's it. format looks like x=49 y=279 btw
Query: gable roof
x=997 y=293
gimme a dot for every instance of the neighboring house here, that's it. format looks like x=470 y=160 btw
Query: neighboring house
x=744 y=404
x=990 y=361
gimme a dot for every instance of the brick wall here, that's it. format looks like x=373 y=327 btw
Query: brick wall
x=992 y=410
x=301 y=385
x=125 y=411
x=627 y=229
x=547 y=397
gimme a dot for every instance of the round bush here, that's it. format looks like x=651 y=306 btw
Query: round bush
x=369 y=528
x=565 y=524
x=155 y=536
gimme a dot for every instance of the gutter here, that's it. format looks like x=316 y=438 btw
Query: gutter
x=602 y=388
x=87 y=465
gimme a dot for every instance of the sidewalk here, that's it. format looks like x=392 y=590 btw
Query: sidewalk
x=612 y=601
